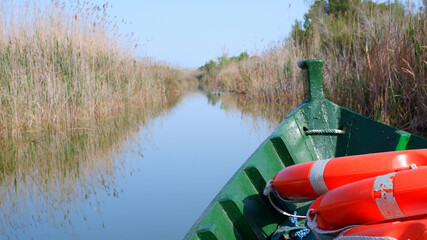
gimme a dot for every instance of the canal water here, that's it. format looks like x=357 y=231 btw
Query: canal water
x=136 y=177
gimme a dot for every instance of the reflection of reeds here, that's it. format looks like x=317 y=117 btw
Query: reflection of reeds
x=375 y=63
x=273 y=112
x=64 y=63
x=46 y=173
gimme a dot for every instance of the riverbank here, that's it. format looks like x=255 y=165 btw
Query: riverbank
x=64 y=64
x=375 y=62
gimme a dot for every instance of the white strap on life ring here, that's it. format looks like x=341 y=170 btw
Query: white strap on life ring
x=316 y=176
x=387 y=204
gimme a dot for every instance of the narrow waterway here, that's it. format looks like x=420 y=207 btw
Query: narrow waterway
x=149 y=181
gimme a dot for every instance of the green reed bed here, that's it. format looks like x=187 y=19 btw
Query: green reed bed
x=375 y=61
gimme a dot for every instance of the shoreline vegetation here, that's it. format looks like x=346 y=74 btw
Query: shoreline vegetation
x=73 y=96
x=64 y=64
x=375 y=57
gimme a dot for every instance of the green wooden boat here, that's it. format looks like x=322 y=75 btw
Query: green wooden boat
x=316 y=129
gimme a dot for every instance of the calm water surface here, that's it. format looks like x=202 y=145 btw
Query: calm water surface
x=151 y=181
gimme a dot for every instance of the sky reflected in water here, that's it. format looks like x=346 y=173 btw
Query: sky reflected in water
x=168 y=174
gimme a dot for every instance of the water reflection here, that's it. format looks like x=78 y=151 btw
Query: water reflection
x=52 y=183
x=251 y=108
x=44 y=175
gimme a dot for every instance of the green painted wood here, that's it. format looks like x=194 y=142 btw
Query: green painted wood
x=206 y=233
x=402 y=144
x=241 y=211
x=312 y=77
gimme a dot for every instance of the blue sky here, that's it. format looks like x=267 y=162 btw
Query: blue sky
x=190 y=33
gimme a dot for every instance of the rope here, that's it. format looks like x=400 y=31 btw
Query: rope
x=267 y=192
x=341 y=237
x=301 y=234
x=294 y=230
x=290 y=232
x=363 y=238
x=324 y=131
x=312 y=224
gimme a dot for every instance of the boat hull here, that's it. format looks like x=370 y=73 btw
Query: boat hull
x=316 y=129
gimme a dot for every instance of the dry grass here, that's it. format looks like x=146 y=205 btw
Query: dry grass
x=62 y=64
x=375 y=64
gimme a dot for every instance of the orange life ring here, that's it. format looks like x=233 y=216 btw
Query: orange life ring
x=307 y=181
x=414 y=229
x=386 y=197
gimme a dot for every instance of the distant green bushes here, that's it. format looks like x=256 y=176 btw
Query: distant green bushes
x=214 y=67
x=209 y=72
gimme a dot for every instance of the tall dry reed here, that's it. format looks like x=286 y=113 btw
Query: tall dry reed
x=64 y=63
x=375 y=63
x=72 y=93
